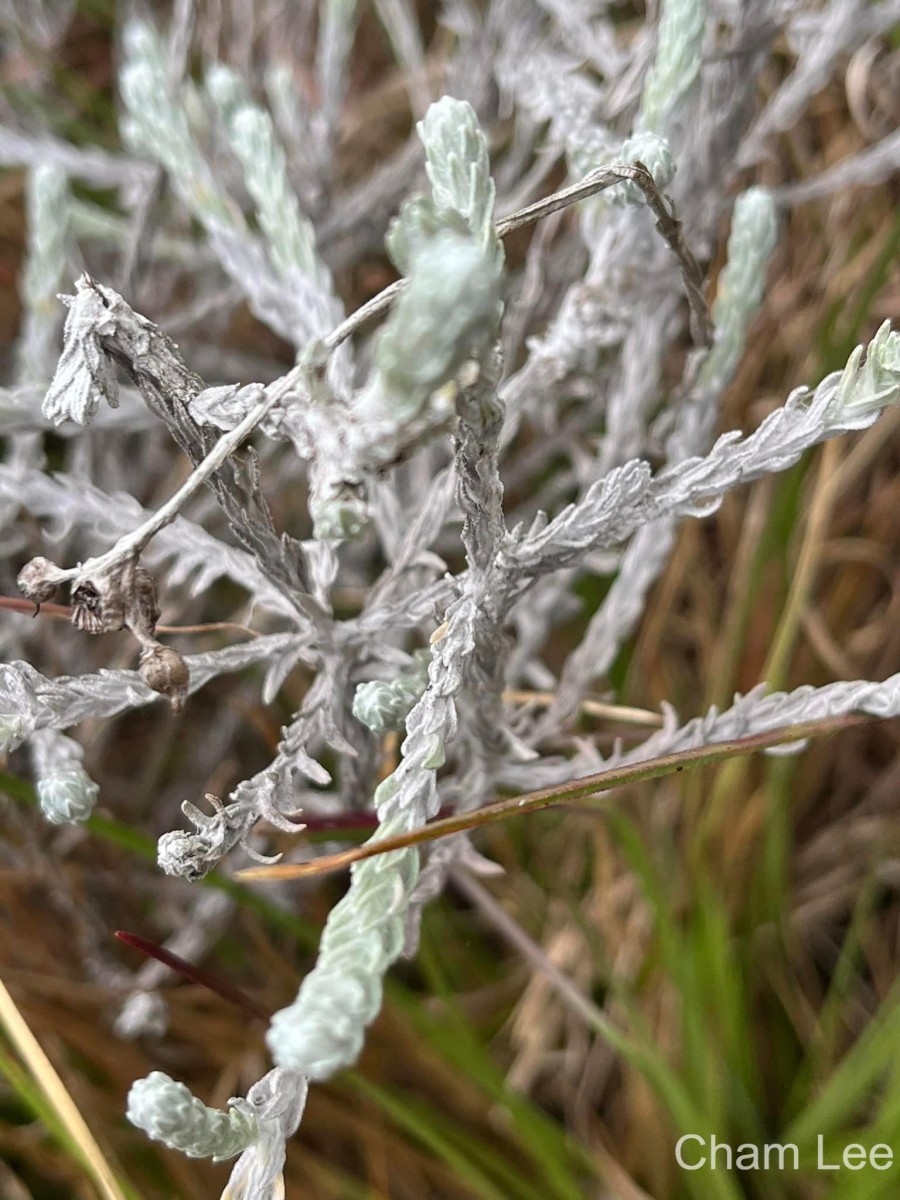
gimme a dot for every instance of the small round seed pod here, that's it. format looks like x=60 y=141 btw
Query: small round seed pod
x=39 y=580
x=163 y=669
x=67 y=797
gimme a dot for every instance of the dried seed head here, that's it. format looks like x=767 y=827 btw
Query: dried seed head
x=98 y=605
x=126 y=595
x=163 y=669
x=39 y=579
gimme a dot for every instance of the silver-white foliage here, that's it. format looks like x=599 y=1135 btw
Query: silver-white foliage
x=754 y=232
x=48 y=248
x=552 y=88
x=682 y=27
x=169 y=1112
x=192 y=555
x=655 y=153
x=338 y=24
x=447 y=314
x=96 y=167
x=383 y=707
x=758 y=711
x=458 y=167
x=631 y=496
x=323 y=1030
x=253 y=138
x=30 y=701
x=158 y=124
x=289 y=234
x=256 y=1127
x=569 y=79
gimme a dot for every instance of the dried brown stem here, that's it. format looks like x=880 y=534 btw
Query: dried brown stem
x=580 y=789
x=64 y=612
x=596 y=181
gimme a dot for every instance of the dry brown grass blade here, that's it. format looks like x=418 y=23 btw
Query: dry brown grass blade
x=45 y=1075
x=579 y=789
x=622 y=713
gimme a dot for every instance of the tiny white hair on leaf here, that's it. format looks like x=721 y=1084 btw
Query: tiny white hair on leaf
x=67 y=797
x=446 y=314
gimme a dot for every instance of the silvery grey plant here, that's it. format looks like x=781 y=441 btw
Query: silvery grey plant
x=401 y=443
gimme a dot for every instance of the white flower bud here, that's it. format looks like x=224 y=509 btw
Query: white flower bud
x=384 y=707
x=654 y=152
x=67 y=797
x=66 y=792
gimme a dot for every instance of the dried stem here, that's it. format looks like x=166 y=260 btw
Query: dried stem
x=593 y=183
x=64 y=612
x=580 y=789
x=130 y=546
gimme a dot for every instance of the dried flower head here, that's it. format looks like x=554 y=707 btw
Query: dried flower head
x=97 y=605
x=39 y=580
x=85 y=374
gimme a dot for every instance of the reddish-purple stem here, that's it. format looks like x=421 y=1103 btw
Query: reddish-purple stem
x=194 y=974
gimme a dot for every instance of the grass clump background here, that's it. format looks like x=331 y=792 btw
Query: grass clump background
x=713 y=951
